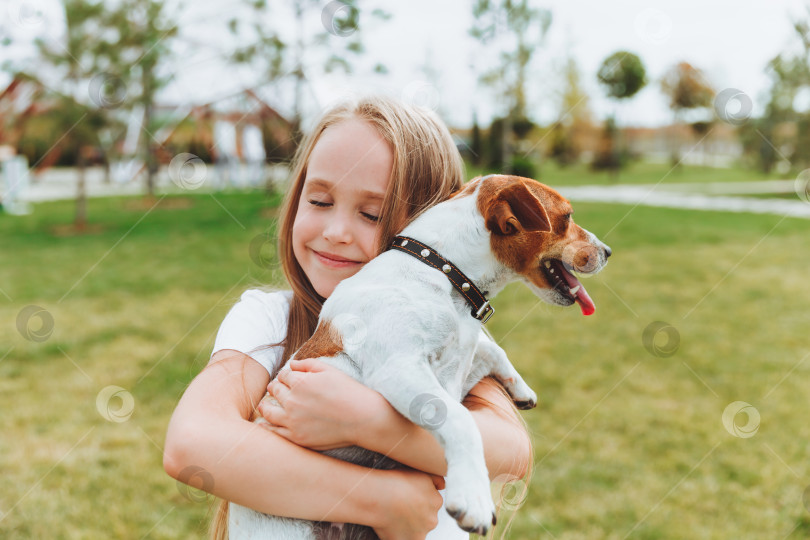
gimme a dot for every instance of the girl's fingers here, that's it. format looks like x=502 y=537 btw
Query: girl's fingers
x=290 y=378
x=278 y=391
x=438 y=481
x=306 y=364
x=271 y=412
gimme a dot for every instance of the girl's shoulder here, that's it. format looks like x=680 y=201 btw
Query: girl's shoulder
x=259 y=309
x=254 y=324
x=268 y=298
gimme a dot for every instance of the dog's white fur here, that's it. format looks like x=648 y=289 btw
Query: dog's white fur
x=409 y=335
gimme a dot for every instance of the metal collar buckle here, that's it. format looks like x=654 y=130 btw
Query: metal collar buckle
x=485 y=312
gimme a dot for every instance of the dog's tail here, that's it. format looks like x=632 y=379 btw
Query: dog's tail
x=219 y=525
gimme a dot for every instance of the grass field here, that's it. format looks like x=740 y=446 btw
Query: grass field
x=636 y=172
x=629 y=439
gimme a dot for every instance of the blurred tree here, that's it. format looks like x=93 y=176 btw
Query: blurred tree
x=476 y=144
x=687 y=90
x=282 y=50
x=131 y=58
x=72 y=113
x=781 y=137
x=574 y=122
x=514 y=29
x=622 y=75
x=107 y=62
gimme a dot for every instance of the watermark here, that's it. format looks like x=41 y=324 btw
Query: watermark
x=35 y=323
x=730 y=419
x=733 y=106
x=115 y=404
x=195 y=483
x=107 y=91
x=187 y=171
x=422 y=94
x=509 y=491
x=27 y=13
x=428 y=411
x=353 y=330
x=339 y=18
x=653 y=26
x=661 y=339
x=802 y=185
x=581 y=257
x=263 y=250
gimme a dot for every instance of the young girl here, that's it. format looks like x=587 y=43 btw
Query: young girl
x=363 y=173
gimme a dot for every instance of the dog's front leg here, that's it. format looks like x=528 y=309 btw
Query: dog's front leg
x=493 y=360
x=413 y=390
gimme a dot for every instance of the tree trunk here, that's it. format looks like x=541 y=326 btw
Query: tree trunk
x=506 y=146
x=80 y=221
x=148 y=149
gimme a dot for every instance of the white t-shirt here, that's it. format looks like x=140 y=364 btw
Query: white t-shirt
x=260 y=319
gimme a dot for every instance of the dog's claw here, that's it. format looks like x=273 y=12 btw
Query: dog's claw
x=525 y=405
x=482 y=530
x=482 y=527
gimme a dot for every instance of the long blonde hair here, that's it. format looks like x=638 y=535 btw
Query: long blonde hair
x=427 y=168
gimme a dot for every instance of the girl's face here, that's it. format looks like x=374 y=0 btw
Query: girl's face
x=335 y=228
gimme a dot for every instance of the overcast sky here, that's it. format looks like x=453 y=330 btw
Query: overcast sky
x=731 y=41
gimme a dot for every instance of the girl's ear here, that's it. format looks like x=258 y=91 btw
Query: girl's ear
x=515 y=209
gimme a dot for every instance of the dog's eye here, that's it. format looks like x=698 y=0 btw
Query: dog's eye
x=567 y=216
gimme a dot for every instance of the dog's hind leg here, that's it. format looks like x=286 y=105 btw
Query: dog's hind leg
x=492 y=357
x=411 y=387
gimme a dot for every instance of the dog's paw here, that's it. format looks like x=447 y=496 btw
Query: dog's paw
x=524 y=397
x=470 y=505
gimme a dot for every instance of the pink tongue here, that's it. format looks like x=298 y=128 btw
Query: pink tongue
x=582 y=298
x=585 y=302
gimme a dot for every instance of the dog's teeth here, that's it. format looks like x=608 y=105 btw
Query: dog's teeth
x=575 y=290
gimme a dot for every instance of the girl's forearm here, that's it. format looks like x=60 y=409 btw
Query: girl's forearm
x=211 y=445
x=250 y=466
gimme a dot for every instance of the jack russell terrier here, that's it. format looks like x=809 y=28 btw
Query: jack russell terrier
x=409 y=325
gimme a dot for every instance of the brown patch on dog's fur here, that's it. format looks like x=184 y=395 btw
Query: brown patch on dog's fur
x=528 y=220
x=325 y=341
x=524 y=221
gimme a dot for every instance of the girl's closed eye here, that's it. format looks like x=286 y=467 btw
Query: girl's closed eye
x=371 y=217
x=321 y=204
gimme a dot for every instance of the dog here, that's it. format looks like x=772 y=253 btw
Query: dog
x=409 y=325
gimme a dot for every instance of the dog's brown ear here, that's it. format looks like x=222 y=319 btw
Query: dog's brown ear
x=516 y=208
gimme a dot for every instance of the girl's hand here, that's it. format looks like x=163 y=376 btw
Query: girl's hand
x=319 y=407
x=412 y=505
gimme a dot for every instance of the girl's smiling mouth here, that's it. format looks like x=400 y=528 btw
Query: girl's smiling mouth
x=334 y=261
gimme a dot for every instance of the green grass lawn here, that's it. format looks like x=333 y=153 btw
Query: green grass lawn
x=628 y=443
x=636 y=172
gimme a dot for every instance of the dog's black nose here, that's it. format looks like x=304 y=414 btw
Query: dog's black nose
x=608 y=251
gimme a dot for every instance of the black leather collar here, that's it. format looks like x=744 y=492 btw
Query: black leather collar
x=481 y=309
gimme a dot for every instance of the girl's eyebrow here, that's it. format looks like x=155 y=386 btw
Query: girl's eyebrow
x=325 y=184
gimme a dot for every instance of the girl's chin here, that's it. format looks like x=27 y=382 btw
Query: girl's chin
x=325 y=287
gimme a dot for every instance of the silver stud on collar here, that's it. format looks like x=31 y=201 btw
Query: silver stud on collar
x=446 y=268
x=425 y=252
x=404 y=243
x=465 y=287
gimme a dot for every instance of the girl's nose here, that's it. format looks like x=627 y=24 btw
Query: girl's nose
x=337 y=230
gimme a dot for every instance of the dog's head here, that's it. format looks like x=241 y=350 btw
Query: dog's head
x=533 y=233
